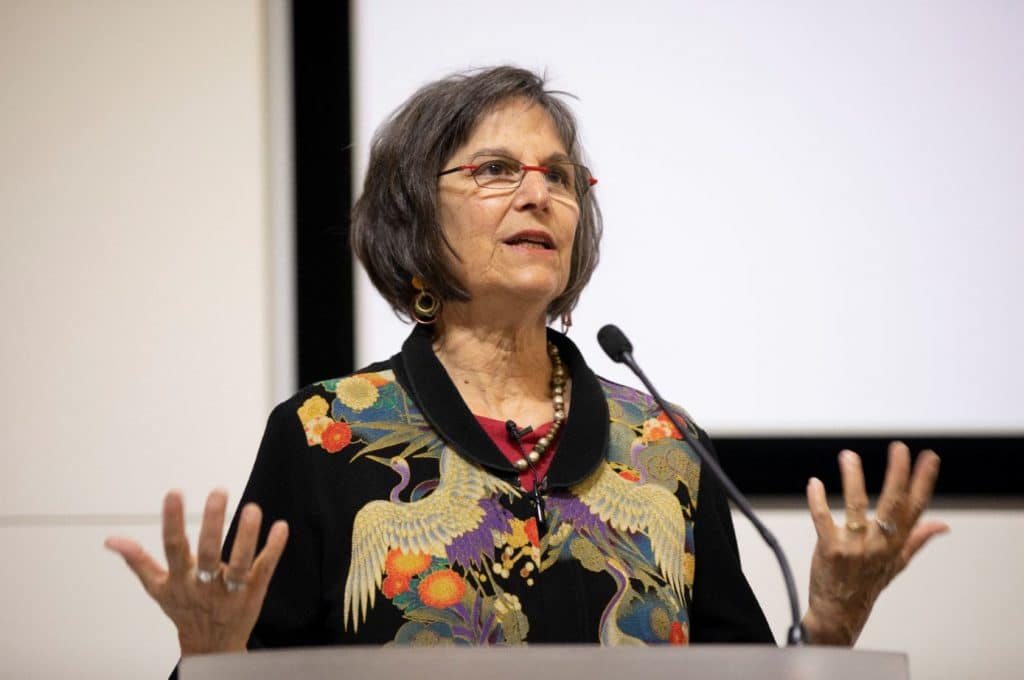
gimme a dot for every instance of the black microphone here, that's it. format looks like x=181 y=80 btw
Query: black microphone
x=617 y=346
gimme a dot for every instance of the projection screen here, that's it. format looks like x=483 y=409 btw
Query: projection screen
x=812 y=212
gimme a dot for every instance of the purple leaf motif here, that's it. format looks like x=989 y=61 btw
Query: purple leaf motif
x=469 y=549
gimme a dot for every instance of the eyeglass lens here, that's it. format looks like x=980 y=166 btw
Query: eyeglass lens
x=499 y=172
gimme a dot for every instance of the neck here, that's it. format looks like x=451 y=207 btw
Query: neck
x=501 y=370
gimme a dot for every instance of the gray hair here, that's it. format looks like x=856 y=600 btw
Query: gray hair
x=396 y=233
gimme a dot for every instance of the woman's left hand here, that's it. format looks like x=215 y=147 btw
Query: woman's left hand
x=854 y=562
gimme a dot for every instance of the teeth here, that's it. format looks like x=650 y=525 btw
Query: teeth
x=532 y=244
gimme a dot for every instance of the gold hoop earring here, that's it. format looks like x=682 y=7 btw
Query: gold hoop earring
x=425 y=305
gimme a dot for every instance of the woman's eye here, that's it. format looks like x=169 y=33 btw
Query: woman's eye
x=495 y=169
x=559 y=175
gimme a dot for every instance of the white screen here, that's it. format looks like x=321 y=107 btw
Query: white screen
x=812 y=213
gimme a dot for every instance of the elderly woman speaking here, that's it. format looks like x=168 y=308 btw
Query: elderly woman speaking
x=483 y=485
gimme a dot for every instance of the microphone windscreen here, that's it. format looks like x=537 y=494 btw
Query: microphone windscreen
x=614 y=342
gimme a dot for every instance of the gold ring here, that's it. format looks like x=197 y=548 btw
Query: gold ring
x=856 y=527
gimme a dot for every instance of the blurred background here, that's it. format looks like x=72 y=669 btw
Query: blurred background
x=813 y=237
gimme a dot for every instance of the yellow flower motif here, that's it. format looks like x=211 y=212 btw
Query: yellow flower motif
x=357 y=392
x=314 y=407
x=660 y=623
x=518 y=537
x=315 y=428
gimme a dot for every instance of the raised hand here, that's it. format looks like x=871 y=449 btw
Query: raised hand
x=852 y=563
x=213 y=605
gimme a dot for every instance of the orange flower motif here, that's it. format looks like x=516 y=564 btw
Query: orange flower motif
x=629 y=476
x=376 y=379
x=659 y=428
x=654 y=430
x=394 y=585
x=673 y=431
x=406 y=565
x=677 y=635
x=442 y=589
x=530 y=527
x=337 y=436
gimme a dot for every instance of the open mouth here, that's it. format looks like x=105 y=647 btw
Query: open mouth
x=531 y=240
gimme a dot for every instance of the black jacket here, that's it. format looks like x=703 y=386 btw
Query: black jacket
x=407 y=523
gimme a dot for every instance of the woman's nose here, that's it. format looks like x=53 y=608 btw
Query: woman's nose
x=533 y=191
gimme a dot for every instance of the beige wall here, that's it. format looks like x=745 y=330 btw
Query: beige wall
x=957 y=610
x=134 y=290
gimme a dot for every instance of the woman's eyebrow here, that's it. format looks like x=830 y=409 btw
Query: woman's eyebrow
x=493 y=151
x=554 y=157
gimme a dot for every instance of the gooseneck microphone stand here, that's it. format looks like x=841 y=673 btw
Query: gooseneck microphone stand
x=619 y=349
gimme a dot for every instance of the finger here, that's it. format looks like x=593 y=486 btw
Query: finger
x=919 y=537
x=854 y=494
x=208 y=550
x=245 y=544
x=817 y=501
x=892 y=500
x=265 y=564
x=179 y=558
x=138 y=560
x=922 y=484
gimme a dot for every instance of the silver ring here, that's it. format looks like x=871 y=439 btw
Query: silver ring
x=233 y=586
x=888 y=528
x=205 y=576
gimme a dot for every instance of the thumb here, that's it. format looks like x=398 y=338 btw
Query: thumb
x=921 y=534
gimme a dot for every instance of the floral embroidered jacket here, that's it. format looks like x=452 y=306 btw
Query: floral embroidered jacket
x=408 y=525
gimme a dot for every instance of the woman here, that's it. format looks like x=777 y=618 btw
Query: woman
x=483 y=485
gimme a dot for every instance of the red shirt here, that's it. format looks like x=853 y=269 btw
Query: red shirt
x=498 y=433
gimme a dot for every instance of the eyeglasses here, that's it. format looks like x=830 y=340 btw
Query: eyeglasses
x=500 y=172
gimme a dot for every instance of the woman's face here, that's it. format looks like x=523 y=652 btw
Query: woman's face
x=513 y=245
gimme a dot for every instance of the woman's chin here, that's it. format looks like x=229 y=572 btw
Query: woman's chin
x=526 y=297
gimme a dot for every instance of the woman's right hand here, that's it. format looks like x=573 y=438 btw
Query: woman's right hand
x=213 y=605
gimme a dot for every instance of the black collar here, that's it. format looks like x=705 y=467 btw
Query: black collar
x=584 y=436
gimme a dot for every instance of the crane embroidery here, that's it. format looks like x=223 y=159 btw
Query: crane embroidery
x=446 y=549
x=454 y=522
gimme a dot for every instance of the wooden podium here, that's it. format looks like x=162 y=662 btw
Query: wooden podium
x=544 y=662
